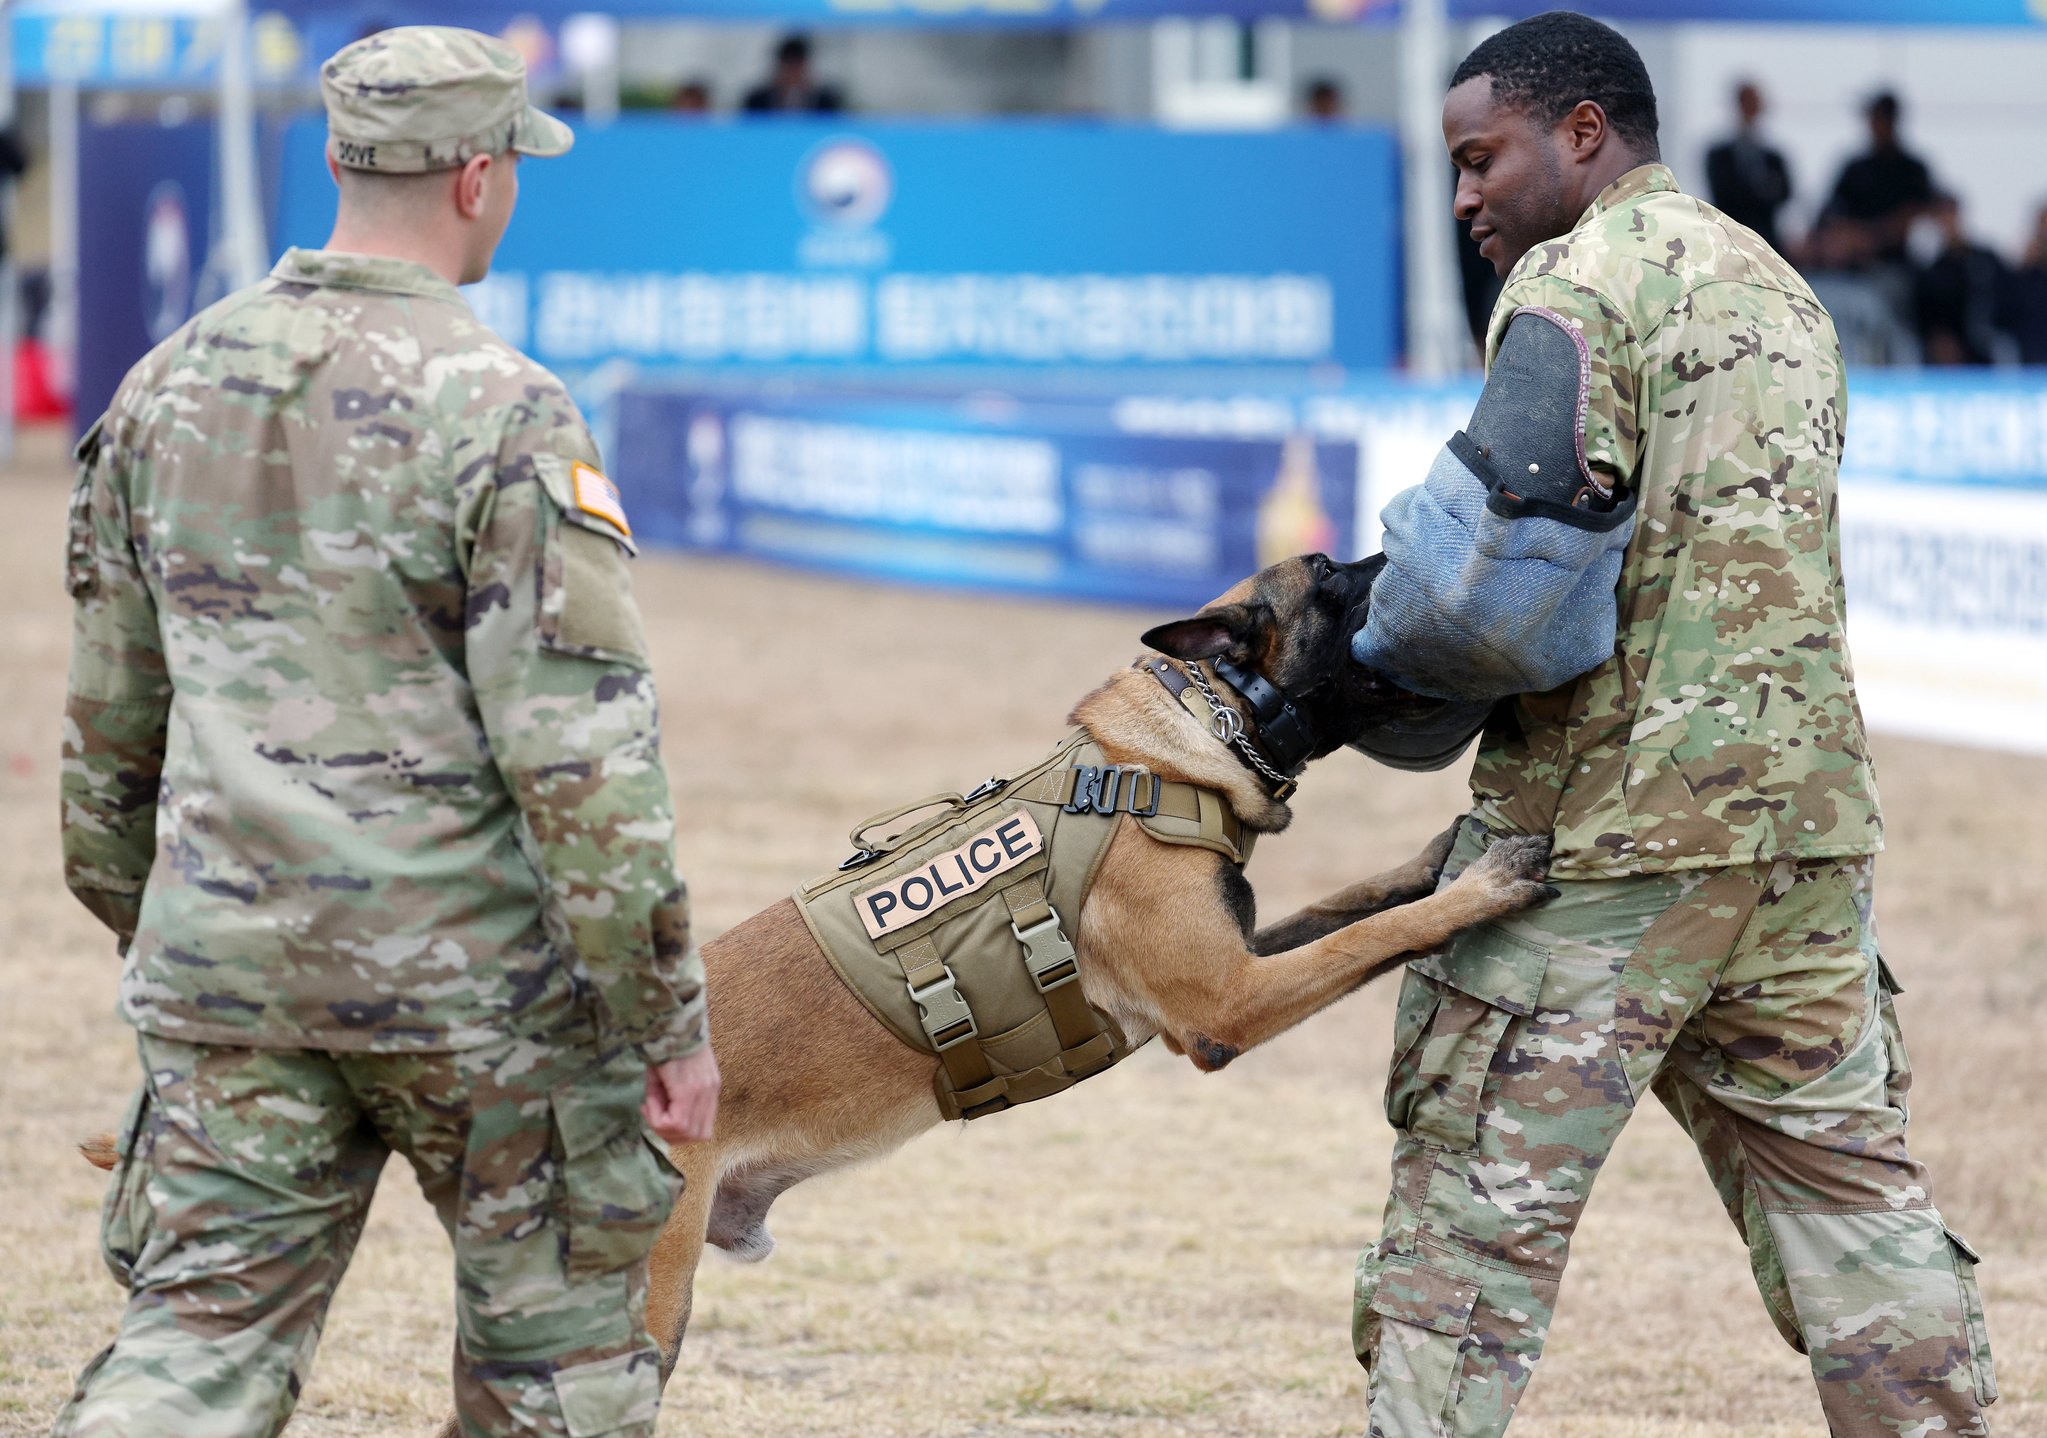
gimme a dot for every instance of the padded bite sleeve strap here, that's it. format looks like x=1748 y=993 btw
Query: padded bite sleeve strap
x=1526 y=438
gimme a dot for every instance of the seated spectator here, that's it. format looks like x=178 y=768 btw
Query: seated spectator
x=1861 y=300
x=1884 y=188
x=1322 y=101
x=1962 y=296
x=790 y=88
x=691 y=97
x=2026 y=301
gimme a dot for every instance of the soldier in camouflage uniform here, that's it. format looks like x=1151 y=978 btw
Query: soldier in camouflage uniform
x=1700 y=765
x=360 y=764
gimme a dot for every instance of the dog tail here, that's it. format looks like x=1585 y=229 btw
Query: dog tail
x=100 y=1150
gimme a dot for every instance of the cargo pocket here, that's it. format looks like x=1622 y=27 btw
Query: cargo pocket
x=125 y=1220
x=1416 y=1366
x=617 y=1183
x=1897 y=1064
x=1486 y=979
x=1418 y=1000
x=1978 y=1332
x=586 y=592
x=610 y=1395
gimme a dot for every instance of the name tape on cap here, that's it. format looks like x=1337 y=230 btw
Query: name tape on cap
x=943 y=878
x=599 y=496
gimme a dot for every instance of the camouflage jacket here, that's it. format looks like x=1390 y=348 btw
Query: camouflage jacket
x=1725 y=729
x=360 y=750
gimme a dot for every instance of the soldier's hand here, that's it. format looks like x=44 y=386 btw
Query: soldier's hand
x=682 y=1097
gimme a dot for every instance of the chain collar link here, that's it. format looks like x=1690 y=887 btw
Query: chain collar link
x=1228 y=726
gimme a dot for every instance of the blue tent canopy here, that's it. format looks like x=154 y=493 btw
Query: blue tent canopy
x=324 y=16
x=1098 y=12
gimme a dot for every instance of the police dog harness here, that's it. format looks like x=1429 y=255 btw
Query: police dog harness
x=953 y=933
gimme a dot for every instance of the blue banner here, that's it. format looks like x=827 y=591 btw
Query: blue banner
x=1043 y=244
x=490 y=14
x=1167 y=497
x=990 y=490
x=1790 y=12
x=155 y=51
x=930 y=493
x=328 y=18
x=145 y=199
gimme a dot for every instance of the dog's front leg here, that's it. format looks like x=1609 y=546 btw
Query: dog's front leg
x=1415 y=879
x=1184 y=960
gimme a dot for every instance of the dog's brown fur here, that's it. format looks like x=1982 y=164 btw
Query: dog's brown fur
x=813 y=1081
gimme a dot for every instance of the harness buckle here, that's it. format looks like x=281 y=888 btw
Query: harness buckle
x=1047 y=953
x=944 y=1013
x=983 y=789
x=1158 y=787
x=1085 y=779
x=1099 y=789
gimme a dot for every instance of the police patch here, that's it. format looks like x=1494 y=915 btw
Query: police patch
x=943 y=878
x=599 y=496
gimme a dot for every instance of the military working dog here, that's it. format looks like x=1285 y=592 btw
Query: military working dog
x=1165 y=941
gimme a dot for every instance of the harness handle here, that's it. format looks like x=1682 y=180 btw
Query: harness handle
x=866 y=851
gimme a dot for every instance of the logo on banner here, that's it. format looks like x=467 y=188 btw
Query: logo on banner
x=845 y=186
x=166 y=261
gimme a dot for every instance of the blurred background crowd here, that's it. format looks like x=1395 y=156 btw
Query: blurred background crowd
x=1885 y=241
x=1886 y=244
x=1889 y=249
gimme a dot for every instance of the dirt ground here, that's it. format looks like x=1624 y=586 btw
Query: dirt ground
x=1157 y=1252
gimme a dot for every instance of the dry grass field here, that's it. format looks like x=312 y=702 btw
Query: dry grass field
x=1158 y=1252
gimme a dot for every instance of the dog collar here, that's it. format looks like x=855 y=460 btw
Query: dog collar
x=1273 y=762
x=1284 y=733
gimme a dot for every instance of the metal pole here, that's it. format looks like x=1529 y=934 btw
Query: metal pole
x=62 y=333
x=246 y=257
x=10 y=284
x=1436 y=343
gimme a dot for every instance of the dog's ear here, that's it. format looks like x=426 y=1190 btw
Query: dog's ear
x=1231 y=630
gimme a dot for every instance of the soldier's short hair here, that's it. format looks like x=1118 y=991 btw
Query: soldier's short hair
x=392 y=192
x=1547 y=64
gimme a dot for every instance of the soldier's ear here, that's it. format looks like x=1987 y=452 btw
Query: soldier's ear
x=1232 y=631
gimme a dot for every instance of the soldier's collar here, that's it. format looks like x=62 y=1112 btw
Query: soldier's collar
x=1642 y=180
x=363 y=272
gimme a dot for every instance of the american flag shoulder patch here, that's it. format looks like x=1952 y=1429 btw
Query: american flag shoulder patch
x=599 y=496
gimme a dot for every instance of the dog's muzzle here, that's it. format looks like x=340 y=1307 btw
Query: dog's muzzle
x=1415 y=732
x=1423 y=734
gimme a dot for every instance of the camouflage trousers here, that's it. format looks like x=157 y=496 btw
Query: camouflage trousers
x=245 y=1176
x=1752 y=1001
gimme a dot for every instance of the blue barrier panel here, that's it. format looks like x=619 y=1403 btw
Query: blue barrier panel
x=1791 y=12
x=145 y=200
x=1165 y=496
x=926 y=493
x=782 y=242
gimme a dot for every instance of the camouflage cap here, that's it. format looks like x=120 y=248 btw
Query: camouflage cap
x=428 y=97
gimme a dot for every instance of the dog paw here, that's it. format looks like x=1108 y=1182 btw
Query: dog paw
x=1516 y=870
x=1437 y=854
x=101 y=1151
